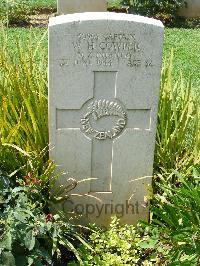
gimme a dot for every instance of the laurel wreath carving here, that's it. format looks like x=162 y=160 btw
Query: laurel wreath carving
x=101 y=108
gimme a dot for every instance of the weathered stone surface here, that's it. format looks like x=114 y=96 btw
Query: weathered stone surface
x=104 y=75
x=192 y=9
x=78 y=6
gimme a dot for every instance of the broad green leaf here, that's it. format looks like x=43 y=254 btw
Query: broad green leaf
x=30 y=240
x=151 y=243
x=4 y=182
x=7 y=259
x=6 y=243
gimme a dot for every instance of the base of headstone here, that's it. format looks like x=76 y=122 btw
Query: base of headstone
x=99 y=208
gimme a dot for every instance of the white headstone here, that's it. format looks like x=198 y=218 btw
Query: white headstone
x=104 y=77
x=78 y=6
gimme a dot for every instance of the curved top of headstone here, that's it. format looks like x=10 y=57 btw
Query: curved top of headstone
x=87 y=16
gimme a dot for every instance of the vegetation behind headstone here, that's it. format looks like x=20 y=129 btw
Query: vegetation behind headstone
x=165 y=9
x=14 y=11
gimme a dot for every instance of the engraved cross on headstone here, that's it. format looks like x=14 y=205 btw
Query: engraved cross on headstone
x=103 y=119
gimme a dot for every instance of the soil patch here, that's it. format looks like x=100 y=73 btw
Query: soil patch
x=40 y=20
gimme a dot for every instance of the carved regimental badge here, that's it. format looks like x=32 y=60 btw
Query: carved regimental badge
x=100 y=109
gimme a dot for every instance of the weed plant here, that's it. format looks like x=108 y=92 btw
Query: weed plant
x=172 y=238
x=176 y=210
x=123 y=245
x=30 y=234
x=23 y=99
x=178 y=130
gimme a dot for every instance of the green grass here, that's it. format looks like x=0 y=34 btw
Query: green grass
x=23 y=94
x=185 y=44
x=178 y=128
x=23 y=35
x=40 y=4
